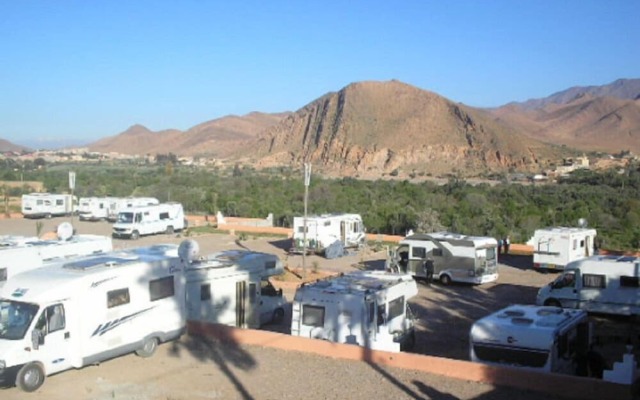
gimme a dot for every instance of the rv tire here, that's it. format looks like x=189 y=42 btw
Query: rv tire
x=135 y=235
x=148 y=348
x=48 y=216
x=445 y=280
x=552 y=303
x=278 y=316
x=30 y=377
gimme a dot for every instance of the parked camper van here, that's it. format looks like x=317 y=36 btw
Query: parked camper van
x=232 y=288
x=88 y=310
x=117 y=204
x=554 y=248
x=546 y=339
x=19 y=254
x=600 y=284
x=451 y=257
x=368 y=309
x=148 y=220
x=327 y=229
x=94 y=208
x=47 y=205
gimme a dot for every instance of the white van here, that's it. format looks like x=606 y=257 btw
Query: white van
x=546 y=339
x=139 y=221
x=600 y=284
x=554 y=248
x=89 y=310
x=232 y=288
x=47 y=205
x=365 y=308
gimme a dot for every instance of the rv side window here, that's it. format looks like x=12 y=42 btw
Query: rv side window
x=396 y=308
x=313 y=316
x=594 y=281
x=117 y=297
x=582 y=244
x=55 y=318
x=418 y=252
x=164 y=215
x=575 y=243
x=161 y=288
x=205 y=292
x=270 y=264
x=3 y=274
x=138 y=217
x=252 y=293
x=59 y=202
x=327 y=223
x=381 y=314
x=39 y=202
x=437 y=252
x=625 y=281
x=301 y=229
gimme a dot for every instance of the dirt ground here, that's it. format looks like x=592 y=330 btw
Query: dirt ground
x=193 y=368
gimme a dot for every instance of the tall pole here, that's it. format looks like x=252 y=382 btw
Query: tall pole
x=307 y=179
x=72 y=186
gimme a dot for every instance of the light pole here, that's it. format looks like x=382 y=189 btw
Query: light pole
x=307 y=179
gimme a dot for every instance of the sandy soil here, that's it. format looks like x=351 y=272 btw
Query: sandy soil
x=194 y=368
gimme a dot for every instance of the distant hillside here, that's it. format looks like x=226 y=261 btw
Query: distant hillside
x=600 y=118
x=373 y=128
x=6 y=146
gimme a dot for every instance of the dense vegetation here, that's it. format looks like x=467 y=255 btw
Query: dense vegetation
x=609 y=201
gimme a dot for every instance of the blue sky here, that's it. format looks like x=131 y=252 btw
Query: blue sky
x=83 y=70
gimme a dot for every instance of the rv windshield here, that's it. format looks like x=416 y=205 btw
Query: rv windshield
x=15 y=318
x=125 y=217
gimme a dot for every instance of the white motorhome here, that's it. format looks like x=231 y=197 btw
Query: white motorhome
x=19 y=254
x=88 y=310
x=117 y=204
x=366 y=308
x=554 y=248
x=452 y=257
x=546 y=339
x=327 y=229
x=94 y=208
x=232 y=288
x=601 y=284
x=148 y=220
x=47 y=205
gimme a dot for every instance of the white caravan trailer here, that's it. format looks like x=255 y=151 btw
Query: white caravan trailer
x=89 y=310
x=599 y=284
x=138 y=221
x=324 y=230
x=453 y=257
x=554 y=248
x=19 y=254
x=117 y=204
x=368 y=309
x=94 y=208
x=39 y=205
x=232 y=288
x=546 y=339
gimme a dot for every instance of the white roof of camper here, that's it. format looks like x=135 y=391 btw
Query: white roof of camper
x=561 y=230
x=452 y=237
x=332 y=216
x=525 y=325
x=14 y=242
x=360 y=282
x=240 y=259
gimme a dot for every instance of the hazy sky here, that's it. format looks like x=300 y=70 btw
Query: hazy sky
x=84 y=70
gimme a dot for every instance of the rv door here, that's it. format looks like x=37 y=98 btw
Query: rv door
x=55 y=341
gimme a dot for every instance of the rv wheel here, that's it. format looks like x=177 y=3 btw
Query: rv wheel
x=135 y=235
x=552 y=303
x=30 y=377
x=278 y=316
x=148 y=347
x=48 y=216
x=445 y=280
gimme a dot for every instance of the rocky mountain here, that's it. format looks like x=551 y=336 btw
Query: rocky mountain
x=7 y=146
x=374 y=128
x=215 y=138
x=595 y=118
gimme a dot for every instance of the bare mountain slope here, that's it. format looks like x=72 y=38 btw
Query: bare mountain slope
x=6 y=146
x=371 y=128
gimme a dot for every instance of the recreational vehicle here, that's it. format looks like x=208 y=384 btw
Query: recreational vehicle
x=94 y=208
x=450 y=257
x=19 y=254
x=599 y=284
x=47 y=205
x=327 y=229
x=117 y=204
x=233 y=288
x=367 y=309
x=554 y=248
x=546 y=339
x=148 y=220
x=88 y=310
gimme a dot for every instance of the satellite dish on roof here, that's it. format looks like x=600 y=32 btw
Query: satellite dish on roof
x=582 y=223
x=64 y=231
x=188 y=250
